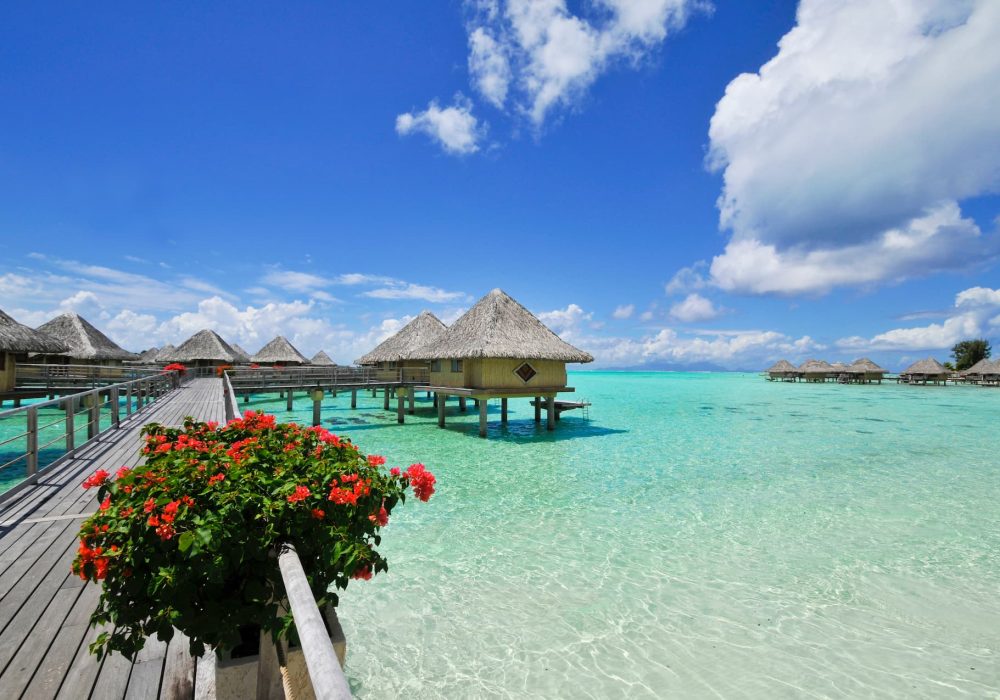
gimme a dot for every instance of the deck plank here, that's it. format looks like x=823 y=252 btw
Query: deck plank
x=44 y=611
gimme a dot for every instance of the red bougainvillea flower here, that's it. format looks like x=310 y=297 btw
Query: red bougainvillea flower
x=301 y=494
x=96 y=479
x=318 y=513
x=364 y=573
x=106 y=503
x=421 y=480
x=122 y=471
x=376 y=460
x=382 y=517
x=394 y=471
x=215 y=479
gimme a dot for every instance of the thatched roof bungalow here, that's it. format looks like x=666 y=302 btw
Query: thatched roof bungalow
x=149 y=356
x=321 y=359
x=396 y=352
x=279 y=352
x=924 y=371
x=985 y=371
x=85 y=345
x=499 y=349
x=203 y=349
x=243 y=357
x=816 y=370
x=864 y=371
x=16 y=341
x=165 y=354
x=783 y=370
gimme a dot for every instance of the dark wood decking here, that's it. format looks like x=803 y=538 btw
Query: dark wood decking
x=45 y=609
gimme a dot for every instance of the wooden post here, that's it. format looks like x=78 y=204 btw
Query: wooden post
x=550 y=422
x=70 y=432
x=400 y=401
x=246 y=398
x=461 y=404
x=483 y=405
x=316 y=411
x=440 y=407
x=32 y=436
x=435 y=399
x=288 y=404
x=538 y=409
x=503 y=411
x=354 y=398
x=115 y=408
x=94 y=425
x=374 y=392
x=412 y=396
x=385 y=399
x=128 y=399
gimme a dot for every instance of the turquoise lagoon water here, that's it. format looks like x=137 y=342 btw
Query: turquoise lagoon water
x=702 y=535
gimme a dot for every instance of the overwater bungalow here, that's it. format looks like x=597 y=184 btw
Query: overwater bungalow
x=924 y=372
x=864 y=371
x=147 y=357
x=321 y=359
x=499 y=349
x=982 y=372
x=396 y=352
x=203 y=349
x=16 y=341
x=279 y=352
x=85 y=345
x=165 y=353
x=783 y=371
x=816 y=370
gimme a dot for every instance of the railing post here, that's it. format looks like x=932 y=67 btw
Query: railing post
x=94 y=425
x=32 y=418
x=68 y=406
x=128 y=399
x=115 y=408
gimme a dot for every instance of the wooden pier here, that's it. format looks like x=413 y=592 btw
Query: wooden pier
x=45 y=610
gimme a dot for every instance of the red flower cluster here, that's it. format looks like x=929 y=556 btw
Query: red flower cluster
x=349 y=495
x=216 y=479
x=92 y=556
x=96 y=479
x=301 y=494
x=376 y=460
x=318 y=513
x=175 y=367
x=382 y=517
x=364 y=573
x=421 y=480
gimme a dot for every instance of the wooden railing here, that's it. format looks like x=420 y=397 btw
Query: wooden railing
x=243 y=379
x=75 y=412
x=38 y=376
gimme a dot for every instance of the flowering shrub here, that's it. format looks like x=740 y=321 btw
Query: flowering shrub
x=176 y=367
x=188 y=540
x=222 y=369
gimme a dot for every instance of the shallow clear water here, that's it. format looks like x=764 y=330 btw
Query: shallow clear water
x=702 y=535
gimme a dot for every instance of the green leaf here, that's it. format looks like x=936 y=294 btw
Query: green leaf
x=185 y=541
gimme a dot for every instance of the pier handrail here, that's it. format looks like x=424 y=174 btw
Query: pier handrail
x=325 y=674
x=303 y=377
x=232 y=409
x=87 y=406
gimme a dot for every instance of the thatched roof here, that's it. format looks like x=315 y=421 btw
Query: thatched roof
x=18 y=338
x=203 y=345
x=82 y=340
x=422 y=331
x=984 y=366
x=244 y=356
x=280 y=350
x=864 y=365
x=322 y=359
x=782 y=366
x=499 y=327
x=165 y=354
x=149 y=355
x=838 y=367
x=930 y=366
x=815 y=367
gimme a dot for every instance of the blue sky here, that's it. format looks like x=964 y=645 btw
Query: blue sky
x=661 y=180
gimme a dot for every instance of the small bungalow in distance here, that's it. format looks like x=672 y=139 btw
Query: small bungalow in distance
x=321 y=359
x=163 y=356
x=85 y=345
x=243 y=356
x=279 y=352
x=499 y=349
x=816 y=370
x=864 y=371
x=924 y=371
x=203 y=349
x=784 y=371
x=395 y=352
x=16 y=341
x=148 y=357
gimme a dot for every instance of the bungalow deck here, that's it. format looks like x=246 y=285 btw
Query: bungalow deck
x=45 y=609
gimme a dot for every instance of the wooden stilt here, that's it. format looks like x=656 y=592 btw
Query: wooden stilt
x=503 y=411
x=538 y=409
x=385 y=399
x=461 y=404
x=354 y=398
x=246 y=398
x=435 y=400
x=316 y=411
x=288 y=404
x=550 y=422
x=482 y=418
x=440 y=406
x=412 y=397
x=400 y=401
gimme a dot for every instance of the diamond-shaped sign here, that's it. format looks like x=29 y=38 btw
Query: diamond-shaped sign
x=525 y=372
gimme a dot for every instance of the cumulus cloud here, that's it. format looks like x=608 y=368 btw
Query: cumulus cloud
x=694 y=308
x=454 y=128
x=542 y=56
x=623 y=312
x=975 y=310
x=291 y=280
x=408 y=290
x=845 y=157
x=565 y=321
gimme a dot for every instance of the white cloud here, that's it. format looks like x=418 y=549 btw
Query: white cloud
x=646 y=315
x=293 y=281
x=623 y=312
x=858 y=140
x=549 y=56
x=693 y=308
x=687 y=279
x=973 y=311
x=565 y=321
x=455 y=128
x=407 y=290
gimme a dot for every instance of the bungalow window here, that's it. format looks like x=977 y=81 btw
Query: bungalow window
x=435 y=365
x=456 y=365
x=525 y=372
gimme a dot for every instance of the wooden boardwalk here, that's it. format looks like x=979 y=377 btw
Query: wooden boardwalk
x=45 y=609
